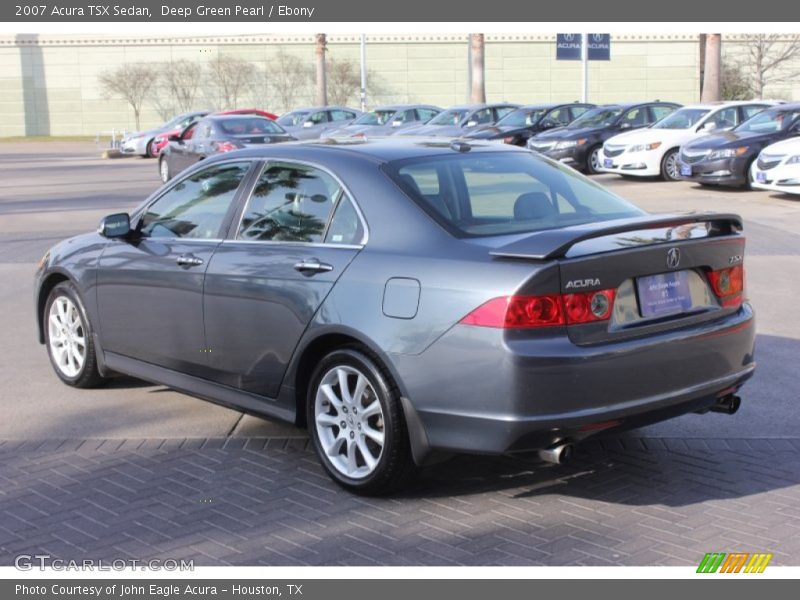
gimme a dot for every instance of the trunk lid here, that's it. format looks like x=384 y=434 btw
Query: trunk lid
x=656 y=265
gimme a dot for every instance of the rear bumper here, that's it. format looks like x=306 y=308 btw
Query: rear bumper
x=474 y=390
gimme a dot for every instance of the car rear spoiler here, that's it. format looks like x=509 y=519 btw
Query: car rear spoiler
x=554 y=243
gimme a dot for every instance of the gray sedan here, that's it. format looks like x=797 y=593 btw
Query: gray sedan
x=404 y=298
x=458 y=120
x=388 y=120
x=310 y=123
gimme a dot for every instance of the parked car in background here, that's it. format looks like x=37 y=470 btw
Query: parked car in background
x=579 y=144
x=726 y=158
x=310 y=123
x=141 y=142
x=777 y=167
x=387 y=120
x=653 y=151
x=460 y=120
x=521 y=124
x=401 y=297
x=162 y=139
x=216 y=134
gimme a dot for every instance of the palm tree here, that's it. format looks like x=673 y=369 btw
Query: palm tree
x=712 y=73
x=322 y=80
x=478 y=88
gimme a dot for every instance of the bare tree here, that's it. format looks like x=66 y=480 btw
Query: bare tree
x=478 y=87
x=735 y=84
x=321 y=79
x=131 y=82
x=344 y=80
x=712 y=72
x=181 y=79
x=230 y=76
x=768 y=56
x=287 y=78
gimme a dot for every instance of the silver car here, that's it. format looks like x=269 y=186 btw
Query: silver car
x=388 y=120
x=311 y=122
x=141 y=143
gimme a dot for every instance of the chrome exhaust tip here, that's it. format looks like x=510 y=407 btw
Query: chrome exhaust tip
x=727 y=404
x=559 y=454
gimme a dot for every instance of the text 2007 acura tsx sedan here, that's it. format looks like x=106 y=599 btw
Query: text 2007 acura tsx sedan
x=403 y=297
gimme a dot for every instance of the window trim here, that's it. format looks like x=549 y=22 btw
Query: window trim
x=263 y=165
x=244 y=185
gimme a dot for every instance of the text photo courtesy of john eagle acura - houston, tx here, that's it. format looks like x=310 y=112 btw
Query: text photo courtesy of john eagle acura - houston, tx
x=404 y=298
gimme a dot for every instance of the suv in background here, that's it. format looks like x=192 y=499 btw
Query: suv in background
x=525 y=122
x=579 y=144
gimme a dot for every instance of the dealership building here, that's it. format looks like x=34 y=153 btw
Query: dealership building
x=51 y=83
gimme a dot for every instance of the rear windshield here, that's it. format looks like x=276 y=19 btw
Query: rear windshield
x=240 y=126
x=501 y=193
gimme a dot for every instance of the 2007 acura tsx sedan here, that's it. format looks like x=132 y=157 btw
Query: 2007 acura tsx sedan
x=405 y=299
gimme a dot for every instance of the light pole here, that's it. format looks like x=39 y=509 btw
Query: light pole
x=363 y=73
x=584 y=67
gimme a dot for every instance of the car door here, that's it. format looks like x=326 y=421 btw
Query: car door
x=296 y=234
x=200 y=146
x=150 y=287
x=177 y=149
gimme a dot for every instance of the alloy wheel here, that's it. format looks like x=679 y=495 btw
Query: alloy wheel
x=67 y=336
x=594 y=160
x=349 y=421
x=164 y=170
x=671 y=166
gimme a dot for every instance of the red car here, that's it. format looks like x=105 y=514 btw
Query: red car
x=162 y=139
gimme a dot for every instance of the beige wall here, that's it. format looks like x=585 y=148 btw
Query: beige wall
x=49 y=83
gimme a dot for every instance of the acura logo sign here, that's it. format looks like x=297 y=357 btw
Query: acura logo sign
x=673 y=257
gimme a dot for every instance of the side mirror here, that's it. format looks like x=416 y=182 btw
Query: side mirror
x=471 y=123
x=625 y=126
x=710 y=126
x=115 y=226
x=548 y=124
x=308 y=124
x=397 y=123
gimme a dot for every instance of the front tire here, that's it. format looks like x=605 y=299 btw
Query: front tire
x=164 y=170
x=68 y=337
x=593 y=161
x=356 y=423
x=150 y=150
x=670 y=170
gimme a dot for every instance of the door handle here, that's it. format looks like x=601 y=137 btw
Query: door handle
x=312 y=265
x=185 y=260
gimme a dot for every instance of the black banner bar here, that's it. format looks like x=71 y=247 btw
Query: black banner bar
x=440 y=11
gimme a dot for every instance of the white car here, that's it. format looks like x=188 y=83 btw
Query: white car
x=777 y=167
x=653 y=151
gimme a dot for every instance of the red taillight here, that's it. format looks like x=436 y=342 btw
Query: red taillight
x=510 y=312
x=586 y=307
x=226 y=146
x=522 y=312
x=728 y=285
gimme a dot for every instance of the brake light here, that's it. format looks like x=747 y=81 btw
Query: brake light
x=728 y=285
x=512 y=312
x=226 y=146
x=586 y=307
x=524 y=312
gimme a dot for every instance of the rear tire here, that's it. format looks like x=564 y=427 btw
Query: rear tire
x=68 y=338
x=670 y=171
x=367 y=453
x=164 y=170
